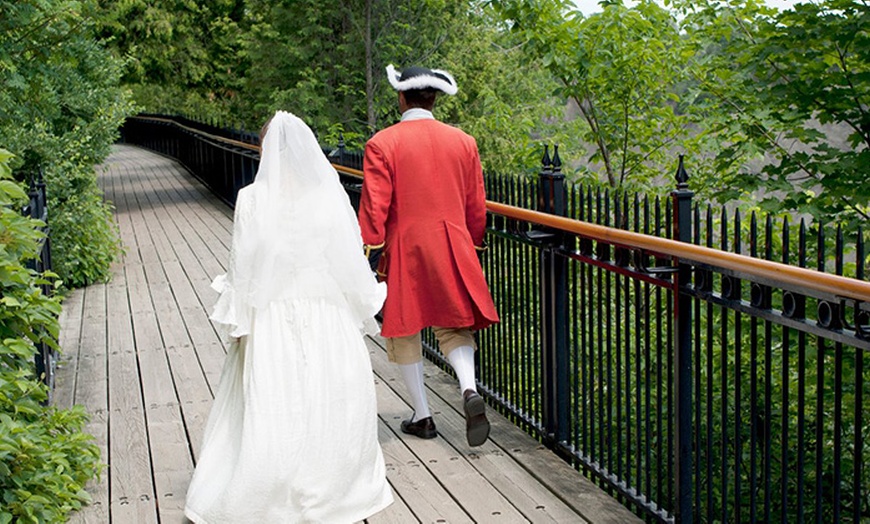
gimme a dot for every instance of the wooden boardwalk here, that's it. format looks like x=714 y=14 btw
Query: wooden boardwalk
x=141 y=355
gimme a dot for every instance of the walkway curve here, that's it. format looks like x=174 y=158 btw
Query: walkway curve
x=141 y=356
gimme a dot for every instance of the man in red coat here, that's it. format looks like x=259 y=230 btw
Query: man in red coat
x=423 y=202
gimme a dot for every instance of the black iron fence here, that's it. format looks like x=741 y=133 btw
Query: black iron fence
x=682 y=356
x=45 y=359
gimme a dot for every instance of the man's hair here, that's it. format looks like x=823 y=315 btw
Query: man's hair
x=423 y=98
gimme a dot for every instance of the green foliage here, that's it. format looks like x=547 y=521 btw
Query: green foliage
x=506 y=102
x=622 y=68
x=180 y=57
x=84 y=240
x=300 y=53
x=769 y=106
x=791 y=87
x=325 y=62
x=60 y=108
x=45 y=459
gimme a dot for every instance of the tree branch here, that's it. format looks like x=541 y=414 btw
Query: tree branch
x=592 y=120
x=763 y=131
x=785 y=78
x=625 y=127
x=841 y=53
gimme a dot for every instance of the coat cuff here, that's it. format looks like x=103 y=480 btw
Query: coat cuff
x=367 y=248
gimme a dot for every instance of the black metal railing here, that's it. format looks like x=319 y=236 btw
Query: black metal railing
x=45 y=360
x=699 y=389
x=655 y=344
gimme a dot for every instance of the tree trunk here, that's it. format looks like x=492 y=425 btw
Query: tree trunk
x=370 y=87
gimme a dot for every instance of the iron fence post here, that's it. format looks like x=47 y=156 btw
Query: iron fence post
x=45 y=254
x=554 y=304
x=45 y=357
x=341 y=147
x=682 y=217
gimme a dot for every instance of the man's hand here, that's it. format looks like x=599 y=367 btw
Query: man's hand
x=480 y=250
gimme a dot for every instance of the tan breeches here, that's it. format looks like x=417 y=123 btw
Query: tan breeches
x=409 y=350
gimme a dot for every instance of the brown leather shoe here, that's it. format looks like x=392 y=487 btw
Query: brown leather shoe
x=476 y=424
x=423 y=428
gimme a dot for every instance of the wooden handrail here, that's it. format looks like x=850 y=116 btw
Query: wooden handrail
x=252 y=147
x=765 y=269
x=348 y=170
x=238 y=143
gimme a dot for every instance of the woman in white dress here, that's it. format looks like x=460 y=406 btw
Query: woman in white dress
x=292 y=435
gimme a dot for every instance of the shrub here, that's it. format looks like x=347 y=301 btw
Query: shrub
x=62 y=106
x=45 y=459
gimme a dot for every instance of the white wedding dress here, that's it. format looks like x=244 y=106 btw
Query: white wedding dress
x=292 y=435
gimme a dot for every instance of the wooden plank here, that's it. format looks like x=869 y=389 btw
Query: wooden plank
x=170 y=453
x=167 y=437
x=413 y=482
x=463 y=482
x=93 y=384
x=130 y=463
x=190 y=286
x=211 y=210
x=132 y=488
x=91 y=391
x=194 y=394
x=186 y=273
x=174 y=292
x=190 y=281
x=195 y=415
x=572 y=491
x=187 y=310
x=208 y=238
x=173 y=289
x=212 y=357
x=69 y=341
x=189 y=302
x=202 y=256
x=534 y=501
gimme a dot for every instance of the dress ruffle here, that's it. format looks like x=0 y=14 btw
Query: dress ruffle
x=226 y=313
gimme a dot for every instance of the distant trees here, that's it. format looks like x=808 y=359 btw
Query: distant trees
x=60 y=109
x=792 y=90
x=748 y=92
x=178 y=56
x=236 y=62
x=622 y=67
x=326 y=62
x=752 y=94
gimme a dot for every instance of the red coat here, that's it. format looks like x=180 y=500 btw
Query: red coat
x=423 y=197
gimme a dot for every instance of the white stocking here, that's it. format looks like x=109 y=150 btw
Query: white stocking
x=413 y=375
x=462 y=360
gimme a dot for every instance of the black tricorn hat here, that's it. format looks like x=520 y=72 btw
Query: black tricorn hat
x=421 y=78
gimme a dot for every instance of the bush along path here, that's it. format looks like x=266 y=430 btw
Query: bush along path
x=45 y=458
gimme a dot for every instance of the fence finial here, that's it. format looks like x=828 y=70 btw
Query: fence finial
x=545 y=160
x=557 y=161
x=682 y=176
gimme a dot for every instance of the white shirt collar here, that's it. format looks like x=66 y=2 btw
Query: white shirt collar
x=417 y=113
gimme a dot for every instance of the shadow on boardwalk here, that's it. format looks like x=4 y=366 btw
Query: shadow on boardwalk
x=141 y=355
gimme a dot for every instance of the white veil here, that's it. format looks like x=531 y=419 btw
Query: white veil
x=295 y=235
